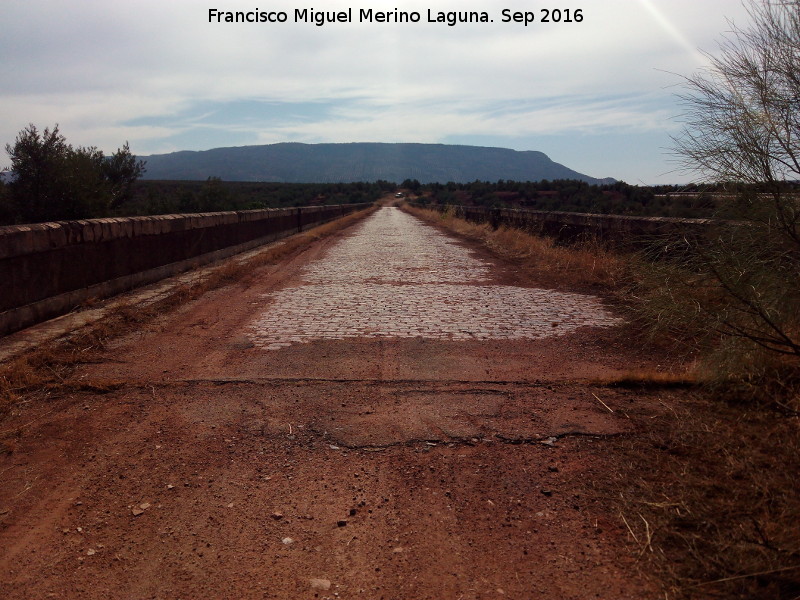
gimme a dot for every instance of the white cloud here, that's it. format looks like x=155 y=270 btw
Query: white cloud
x=94 y=66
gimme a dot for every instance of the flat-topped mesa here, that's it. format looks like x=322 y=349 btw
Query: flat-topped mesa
x=292 y=162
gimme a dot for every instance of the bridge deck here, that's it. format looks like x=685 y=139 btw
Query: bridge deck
x=387 y=414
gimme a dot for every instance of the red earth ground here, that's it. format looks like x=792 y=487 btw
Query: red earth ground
x=367 y=467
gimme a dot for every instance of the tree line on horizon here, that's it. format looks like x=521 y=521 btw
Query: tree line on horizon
x=53 y=181
x=50 y=180
x=569 y=195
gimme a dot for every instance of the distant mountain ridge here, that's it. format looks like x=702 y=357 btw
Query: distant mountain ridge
x=342 y=163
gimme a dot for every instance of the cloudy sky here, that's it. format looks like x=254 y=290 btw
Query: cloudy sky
x=596 y=95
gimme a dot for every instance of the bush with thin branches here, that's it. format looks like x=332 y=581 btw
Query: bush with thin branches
x=742 y=128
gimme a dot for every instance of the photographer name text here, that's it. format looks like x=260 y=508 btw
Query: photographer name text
x=320 y=18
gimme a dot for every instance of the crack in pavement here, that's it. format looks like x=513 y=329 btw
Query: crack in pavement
x=547 y=439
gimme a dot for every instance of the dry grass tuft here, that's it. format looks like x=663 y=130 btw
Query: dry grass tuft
x=709 y=499
x=46 y=369
x=690 y=309
x=585 y=265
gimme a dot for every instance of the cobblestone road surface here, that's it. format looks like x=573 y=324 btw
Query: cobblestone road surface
x=398 y=277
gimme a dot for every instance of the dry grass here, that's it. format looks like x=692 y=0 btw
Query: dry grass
x=46 y=369
x=651 y=379
x=586 y=265
x=39 y=373
x=685 y=305
x=708 y=495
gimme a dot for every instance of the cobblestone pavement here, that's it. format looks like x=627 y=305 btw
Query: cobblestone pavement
x=398 y=277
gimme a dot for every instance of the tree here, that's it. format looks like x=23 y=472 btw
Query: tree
x=52 y=180
x=412 y=185
x=121 y=170
x=742 y=126
x=38 y=163
x=6 y=208
x=742 y=117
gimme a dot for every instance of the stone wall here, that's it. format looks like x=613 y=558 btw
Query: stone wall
x=616 y=230
x=47 y=269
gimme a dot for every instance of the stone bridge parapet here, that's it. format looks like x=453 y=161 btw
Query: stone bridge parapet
x=47 y=269
x=615 y=230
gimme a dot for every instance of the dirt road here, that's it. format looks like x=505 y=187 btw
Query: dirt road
x=387 y=414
